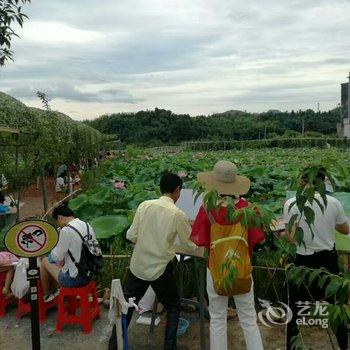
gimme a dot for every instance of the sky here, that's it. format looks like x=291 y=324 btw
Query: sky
x=190 y=56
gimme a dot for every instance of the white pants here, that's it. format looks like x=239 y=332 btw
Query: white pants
x=218 y=306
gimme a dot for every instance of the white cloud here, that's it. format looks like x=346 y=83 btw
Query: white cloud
x=194 y=56
x=53 y=33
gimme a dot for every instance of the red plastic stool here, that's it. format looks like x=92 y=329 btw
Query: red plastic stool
x=78 y=298
x=4 y=301
x=24 y=308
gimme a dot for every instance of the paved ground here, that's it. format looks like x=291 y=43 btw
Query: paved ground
x=15 y=334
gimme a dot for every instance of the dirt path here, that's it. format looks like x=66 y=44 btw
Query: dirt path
x=32 y=200
x=15 y=334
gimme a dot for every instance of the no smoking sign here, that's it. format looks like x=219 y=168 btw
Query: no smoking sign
x=31 y=238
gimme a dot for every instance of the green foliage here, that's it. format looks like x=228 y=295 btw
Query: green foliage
x=337 y=290
x=164 y=127
x=10 y=13
x=110 y=225
x=254 y=215
x=279 y=252
x=113 y=269
x=275 y=142
x=309 y=183
x=133 y=152
x=46 y=140
x=229 y=267
x=272 y=173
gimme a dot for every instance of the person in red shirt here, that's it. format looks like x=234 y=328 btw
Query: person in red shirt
x=226 y=182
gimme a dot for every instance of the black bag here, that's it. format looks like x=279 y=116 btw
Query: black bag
x=90 y=262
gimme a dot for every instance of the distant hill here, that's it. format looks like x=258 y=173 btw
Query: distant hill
x=274 y=111
x=158 y=127
x=232 y=113
x=15 y=114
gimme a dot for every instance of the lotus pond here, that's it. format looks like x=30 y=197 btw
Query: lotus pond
x=114 y=191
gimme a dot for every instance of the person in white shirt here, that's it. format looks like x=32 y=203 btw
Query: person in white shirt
x=318 y=251
x=59 y=265
x=155 y=227
x=61 y=169
x=60 y=183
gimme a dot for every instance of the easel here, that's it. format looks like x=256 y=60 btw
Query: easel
x=200 y=283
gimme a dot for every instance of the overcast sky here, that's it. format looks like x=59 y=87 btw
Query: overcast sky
x=190 y=56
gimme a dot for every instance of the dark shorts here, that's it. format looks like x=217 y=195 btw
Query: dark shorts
x=69 y=282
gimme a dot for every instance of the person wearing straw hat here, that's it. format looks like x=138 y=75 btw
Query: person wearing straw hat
x=225 y=180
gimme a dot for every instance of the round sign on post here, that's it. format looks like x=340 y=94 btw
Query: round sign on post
x=31 y=238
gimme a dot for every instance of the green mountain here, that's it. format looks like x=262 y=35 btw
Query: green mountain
x=15 y=114
x=161 y=126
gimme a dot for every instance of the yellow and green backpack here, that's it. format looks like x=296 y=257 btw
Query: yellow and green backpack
x=229 y=259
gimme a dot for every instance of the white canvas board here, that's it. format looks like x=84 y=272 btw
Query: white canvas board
x=187 y=205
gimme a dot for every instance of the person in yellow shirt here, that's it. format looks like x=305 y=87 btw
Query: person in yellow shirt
x=155 y=227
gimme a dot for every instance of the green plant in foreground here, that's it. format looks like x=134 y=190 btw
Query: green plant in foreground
x=229 y=265
x=309 y=184
x=337 y=291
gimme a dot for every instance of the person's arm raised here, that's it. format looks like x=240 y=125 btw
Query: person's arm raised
x=183 y=229
x=341 y=223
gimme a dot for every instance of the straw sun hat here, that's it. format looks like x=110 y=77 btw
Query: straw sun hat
x=224 y=179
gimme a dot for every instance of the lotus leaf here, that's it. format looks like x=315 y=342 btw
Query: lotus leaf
x=140 y=197
x=78 y=202
x=110 y=225
x=100 y=197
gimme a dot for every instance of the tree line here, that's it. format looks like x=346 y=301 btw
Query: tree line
x=153 y=128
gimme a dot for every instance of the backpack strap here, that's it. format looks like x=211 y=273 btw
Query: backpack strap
x=71 y=256
x=77 y=231
x=81 y=236
x=88 y=231
x=210 y=216
x=226 y=239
